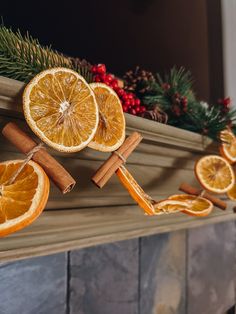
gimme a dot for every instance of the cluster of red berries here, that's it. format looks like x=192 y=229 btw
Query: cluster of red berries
x=130 y=103
x=225 y=104
x=180 y=104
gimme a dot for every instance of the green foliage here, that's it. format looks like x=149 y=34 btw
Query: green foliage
x=175 y=96
x=22 y=57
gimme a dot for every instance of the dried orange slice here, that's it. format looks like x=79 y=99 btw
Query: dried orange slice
x=169 y=206
x=22 y=201
x=61 y=109
x=228 y=146
x=196 y=205
x=111 y=128
x=136 y=192
x=215 y=173
x=232 y=193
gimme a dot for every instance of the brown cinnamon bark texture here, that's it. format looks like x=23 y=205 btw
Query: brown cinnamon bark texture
x=110 y=166
x=62 y=179
x=185 y=187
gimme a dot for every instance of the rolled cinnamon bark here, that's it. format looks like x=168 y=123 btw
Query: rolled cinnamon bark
x=185 y=187
x=62 y=179
x=104 y=173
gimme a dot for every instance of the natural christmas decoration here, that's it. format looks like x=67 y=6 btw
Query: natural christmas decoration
x=110 y=132
x=70 y=104
x=25 y=144
x=130 y=102
x=62 y=99
x=24 y=194
x=22 y=57
x=215 y=173
x=168 y=99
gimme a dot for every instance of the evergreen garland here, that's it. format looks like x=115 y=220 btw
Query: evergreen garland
x=173 y=93
x=22 y=57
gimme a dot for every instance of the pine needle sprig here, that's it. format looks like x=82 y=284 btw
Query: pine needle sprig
x=22 y=57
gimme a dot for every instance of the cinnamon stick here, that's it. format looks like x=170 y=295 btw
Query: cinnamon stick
x=62 y=179
x=104 y=173
x=185 y=187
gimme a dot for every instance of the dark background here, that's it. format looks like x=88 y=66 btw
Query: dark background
x=155 y=34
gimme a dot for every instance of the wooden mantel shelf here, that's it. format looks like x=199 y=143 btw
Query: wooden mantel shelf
x=88 y=216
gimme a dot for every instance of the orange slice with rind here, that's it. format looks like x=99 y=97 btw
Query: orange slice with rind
x=196 y=205
x=110 y=133
x=232 y=193
x=215 y=174
x=61 y=109
x=149 y=206
x=228 y=146
x=135 y=190
x=22 y=201
x=169 y=206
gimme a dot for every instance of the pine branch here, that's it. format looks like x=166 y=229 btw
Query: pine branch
x=22 y=57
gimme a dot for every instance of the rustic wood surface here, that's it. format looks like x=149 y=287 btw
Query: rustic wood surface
x=88 y=215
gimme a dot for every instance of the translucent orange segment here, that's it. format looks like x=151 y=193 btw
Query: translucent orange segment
x=111 y=127
x=109 y=130
x=16 y=198
x=13 y=209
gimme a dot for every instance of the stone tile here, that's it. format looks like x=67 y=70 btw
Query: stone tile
x=104 y=279
x=162 y=282
x=211 y=268
x=34 y=286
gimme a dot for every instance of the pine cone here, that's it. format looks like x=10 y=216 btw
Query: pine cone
x=136 y=80
x=156 y=114
x=81 y=63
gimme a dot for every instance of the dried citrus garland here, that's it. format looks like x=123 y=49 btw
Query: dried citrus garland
x=189 y=204
x=68 y=114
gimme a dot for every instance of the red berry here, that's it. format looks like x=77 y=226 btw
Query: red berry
x=127 y=102
x=103 y=77
x=97 y=78
x=109 y=78
x=125 y=108
x=137 y=108
x=226 y=101
x=137 y=102
x=125 y=96
x=114 y=84
x=130 y=96
x=142 y=109
x=101 y=69
x=107 y=82
x=120 y=91
x=94 y=69
x=165 y=86
x=133 y=111
x=132 y=102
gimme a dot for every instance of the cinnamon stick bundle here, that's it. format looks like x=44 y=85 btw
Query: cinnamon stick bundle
x=185 y=187
x=110 y=166
x=62 y=179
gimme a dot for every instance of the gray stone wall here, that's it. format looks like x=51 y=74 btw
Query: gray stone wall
x=184 y=272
